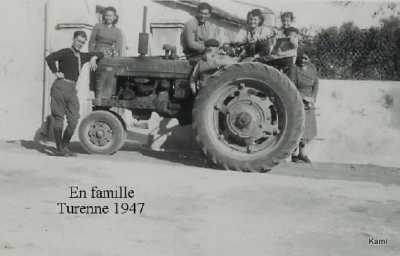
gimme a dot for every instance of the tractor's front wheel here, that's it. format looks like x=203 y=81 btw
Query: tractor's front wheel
x=102 y=132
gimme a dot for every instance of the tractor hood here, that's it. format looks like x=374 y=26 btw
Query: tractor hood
x=148 y=67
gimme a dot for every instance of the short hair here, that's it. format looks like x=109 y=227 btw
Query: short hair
x=256 y=13
x=80 y=33
x=289 y=30
x=203 y=6
x=300 y=53
x=287 y=14
x=111 y=9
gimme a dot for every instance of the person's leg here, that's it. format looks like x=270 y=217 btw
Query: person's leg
x=310 y=131
x=302 y=152
x=72 y=113
x=294 y=156
x=57 y=106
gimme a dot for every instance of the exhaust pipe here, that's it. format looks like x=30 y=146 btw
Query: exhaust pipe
x=143 y=47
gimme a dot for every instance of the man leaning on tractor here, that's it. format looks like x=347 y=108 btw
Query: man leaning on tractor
x=65 y=65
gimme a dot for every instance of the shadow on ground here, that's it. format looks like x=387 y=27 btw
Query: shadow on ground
x=193 y=159
x=34 y=145
x=190 y=158
x=332 y=171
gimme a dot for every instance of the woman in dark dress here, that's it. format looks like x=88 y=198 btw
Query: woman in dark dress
x=305 y=77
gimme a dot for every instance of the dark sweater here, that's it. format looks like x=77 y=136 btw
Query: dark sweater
x=306 y=79
x=68 y=63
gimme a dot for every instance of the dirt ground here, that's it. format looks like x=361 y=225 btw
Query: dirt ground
x=193 y=209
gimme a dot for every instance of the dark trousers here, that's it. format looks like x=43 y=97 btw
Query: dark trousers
x=64 y=102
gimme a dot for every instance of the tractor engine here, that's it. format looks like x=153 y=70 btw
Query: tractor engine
x=143 y=85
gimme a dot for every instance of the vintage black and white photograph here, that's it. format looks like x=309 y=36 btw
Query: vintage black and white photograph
x=200 y=127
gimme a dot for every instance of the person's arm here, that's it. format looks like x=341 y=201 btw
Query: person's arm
x=121 y=43
x=91 y=57
x=88 y=56
x=292 y=74
x=52 y=60
x=294 y=40
x=190 y=38
x=92 y=40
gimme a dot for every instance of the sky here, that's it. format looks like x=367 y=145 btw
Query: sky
x=311 y=13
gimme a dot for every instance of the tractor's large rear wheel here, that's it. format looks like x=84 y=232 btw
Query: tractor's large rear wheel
x=248 y=117
x=102 y=132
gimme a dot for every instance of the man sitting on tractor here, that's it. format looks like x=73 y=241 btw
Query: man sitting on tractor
x=196 y=32
x=256 y=40
x=257 y=43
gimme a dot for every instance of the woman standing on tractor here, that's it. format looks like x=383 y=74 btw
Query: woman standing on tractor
x=106 y=37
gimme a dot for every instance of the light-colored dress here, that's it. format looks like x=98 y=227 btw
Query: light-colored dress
x=306 y=80
x=108 y=40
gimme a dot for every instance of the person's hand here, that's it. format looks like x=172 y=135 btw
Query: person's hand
x=93 y=63
x=193 y=87
x=294 y=40
x=308 y=99
x=59 y=75
x=273 y=56
x=308 y=102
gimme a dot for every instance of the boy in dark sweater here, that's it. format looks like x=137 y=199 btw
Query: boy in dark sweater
x=65 y=65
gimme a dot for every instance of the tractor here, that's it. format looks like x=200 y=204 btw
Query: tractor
x=247 y=116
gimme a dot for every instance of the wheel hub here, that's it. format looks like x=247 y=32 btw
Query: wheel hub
x=247 y=118
x=100 y=134
x=243 y=118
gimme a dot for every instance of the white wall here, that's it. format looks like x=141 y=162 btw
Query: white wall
x=358 y=122
x=22 y=51
x=21 y=67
